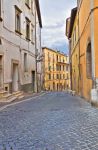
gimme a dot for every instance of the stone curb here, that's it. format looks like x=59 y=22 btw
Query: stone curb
x=17 y=101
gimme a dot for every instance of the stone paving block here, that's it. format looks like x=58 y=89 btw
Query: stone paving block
x=55 y=121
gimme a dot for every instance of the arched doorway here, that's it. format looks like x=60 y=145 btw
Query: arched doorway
x=89 y=61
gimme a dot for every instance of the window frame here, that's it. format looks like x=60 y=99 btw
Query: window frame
x=32 y=6
x=27 y=33
x=18 y=11
x=49 y=76
x=27 y=3
x=32 y=33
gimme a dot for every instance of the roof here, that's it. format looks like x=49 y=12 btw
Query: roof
x=67 y=26
x=56 y=51
x=72 y=19
x=38 y=11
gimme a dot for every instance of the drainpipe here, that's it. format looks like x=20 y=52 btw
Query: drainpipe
x=36 y=54
x=79 y=53
x=40 y=62
x=70 y=63
x=94 y=90
x=92 y=45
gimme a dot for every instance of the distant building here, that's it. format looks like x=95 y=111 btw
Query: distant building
x=20 y=43
x=82 y=32
x=56 y=70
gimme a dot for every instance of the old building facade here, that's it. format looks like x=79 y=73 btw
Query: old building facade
x=20 y=44
x=82 y=35
x=56 y=70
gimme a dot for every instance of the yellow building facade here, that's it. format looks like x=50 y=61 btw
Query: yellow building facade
x=74 y=50
x=56 y=70
x=81 y=30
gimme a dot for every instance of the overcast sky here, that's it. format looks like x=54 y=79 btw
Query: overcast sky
x=54 y=14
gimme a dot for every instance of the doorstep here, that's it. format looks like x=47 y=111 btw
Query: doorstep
x=20 y=97
x=11 y=97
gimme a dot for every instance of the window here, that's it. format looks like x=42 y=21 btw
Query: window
x=57 y=76
x=27 y=2
x=67 y=76
x=53 y=67
x=53 y=76
x=89 y=61
x=60 y=68
x=32 y=5
x=67 y=68
x=25 y=62
x=48 y=54
x=17 y=20
x=49 y=67
x=27 y=29
x=53 y=86
x=57 y=86
x=49 y=76
x=60 y=76
x=57 y=68
x=32 y=34
x=63 y=68
x=57 y=57
x=49 y=57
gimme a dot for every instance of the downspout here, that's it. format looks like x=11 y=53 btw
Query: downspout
x=70 y=62
x=40 y=62
x=79 y=53
x=92 y=45
x=36 y=54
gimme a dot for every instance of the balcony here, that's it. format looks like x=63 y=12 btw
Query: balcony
x=60 y=62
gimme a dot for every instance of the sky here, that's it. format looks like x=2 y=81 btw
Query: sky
x=54 y=14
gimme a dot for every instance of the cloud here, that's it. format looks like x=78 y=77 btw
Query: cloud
x=54 y=14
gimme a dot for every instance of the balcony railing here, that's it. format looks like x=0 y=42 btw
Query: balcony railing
x=60 y=61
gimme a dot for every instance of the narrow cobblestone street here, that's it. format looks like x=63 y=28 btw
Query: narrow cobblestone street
x=54 y=121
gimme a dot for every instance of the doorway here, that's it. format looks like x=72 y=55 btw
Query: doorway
x=33 y=80
x=53 y=86
x=15 y=78
x=57 y=87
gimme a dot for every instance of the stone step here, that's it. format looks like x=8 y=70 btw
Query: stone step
x=18 y=94
x=7 y=98
x=3 y=93
x=11 y=97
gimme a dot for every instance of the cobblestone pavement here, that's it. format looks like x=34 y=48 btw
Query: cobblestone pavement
x=55 y=121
